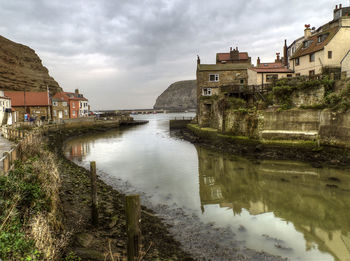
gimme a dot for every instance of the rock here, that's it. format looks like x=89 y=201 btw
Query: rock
x=89 y=254
x=178 y=96
x=84 y=239
x=21 y=69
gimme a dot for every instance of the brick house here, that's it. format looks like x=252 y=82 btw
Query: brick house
x=77 y=103
x=72 y=102
x=228 y=77
x=60 y=109
x=35 y=104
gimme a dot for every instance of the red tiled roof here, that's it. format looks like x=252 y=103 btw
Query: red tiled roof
x=271 y=67
x=227 y=57
x=31 y=98
x=275 y=70
x=314 y=45
x=69 y=96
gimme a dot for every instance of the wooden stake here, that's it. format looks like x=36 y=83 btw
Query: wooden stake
x=133 y=221
x=6 y=162
x=94 y=206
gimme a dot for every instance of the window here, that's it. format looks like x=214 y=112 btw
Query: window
x=213 y=77
x=73 y=112
x=297 y=74
x=312 y=57
x=271 y=77
x=54 y=113
x=289 y=75
x=322 y=37
x=55 y=103
x=66 y=112
x=297 y=61
x=241 y=81
x=312 y=73
x=329 y=54
x=64 y=103
x=73 y=105
x=207 y=92
x=307 y=44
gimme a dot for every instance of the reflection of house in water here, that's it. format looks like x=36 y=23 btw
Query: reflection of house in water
x=79 y=150
x=294 y=192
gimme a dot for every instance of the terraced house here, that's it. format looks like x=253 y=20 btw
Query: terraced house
x=60 y=109
x=323 y=48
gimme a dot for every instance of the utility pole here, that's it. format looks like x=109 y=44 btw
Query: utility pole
x=48 y=102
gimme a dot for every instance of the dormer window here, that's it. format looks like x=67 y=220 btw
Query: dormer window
x=322 y=37
x=306 y=44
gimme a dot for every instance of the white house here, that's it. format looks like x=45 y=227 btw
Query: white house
x=5 y=109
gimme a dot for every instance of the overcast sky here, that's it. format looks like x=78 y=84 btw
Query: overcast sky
x=124 y=53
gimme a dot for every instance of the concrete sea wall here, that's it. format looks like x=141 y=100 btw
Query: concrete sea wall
x=323 y=126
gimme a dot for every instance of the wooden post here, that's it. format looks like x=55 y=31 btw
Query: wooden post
x=6 y=162
x=133 y=220
x=94 y=206
x=14 y=154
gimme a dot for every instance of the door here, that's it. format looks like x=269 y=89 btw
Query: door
x=60 y=114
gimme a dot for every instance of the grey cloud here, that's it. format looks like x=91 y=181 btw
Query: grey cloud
x=136 y=48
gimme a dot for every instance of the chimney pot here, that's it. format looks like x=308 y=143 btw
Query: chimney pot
x=258 y=61
x=230 y=49
x=340 y=6
x=336 y=7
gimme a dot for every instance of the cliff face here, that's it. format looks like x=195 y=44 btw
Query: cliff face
x=21 y=69
x=178 y=96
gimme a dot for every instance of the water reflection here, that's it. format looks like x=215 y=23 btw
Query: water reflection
x=284 y=208
x=316 y=201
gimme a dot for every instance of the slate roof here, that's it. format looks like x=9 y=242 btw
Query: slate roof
x=31 y=98
x=314 y=45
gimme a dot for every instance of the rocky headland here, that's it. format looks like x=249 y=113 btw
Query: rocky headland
x=180 y=95
x=21 y=69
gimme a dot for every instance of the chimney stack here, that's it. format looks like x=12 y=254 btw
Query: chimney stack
x=307 y=31
x=234 y=54
x=198 y=60
x=76 y=91
x=277 y=58
x=336 y=7
x=258 y=61
x=285 y=54
x=340 y=6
